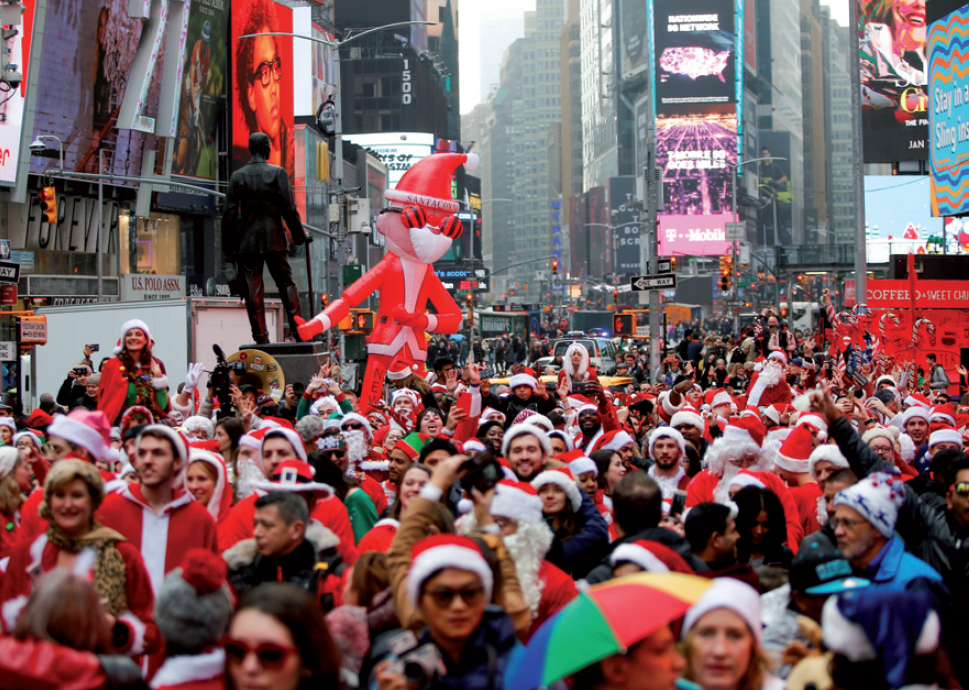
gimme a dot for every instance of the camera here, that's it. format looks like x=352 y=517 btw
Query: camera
x=80 y=371
x=483 y=472
x=221 y=379
x=95 y=347
x=578 y=389
x=419 y=666
x=298 y=388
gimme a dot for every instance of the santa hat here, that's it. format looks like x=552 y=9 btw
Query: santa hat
x=885 y=378
x=221 y=500
x=490 y=412
x=427 y=183
x=913 y=412
x=9 y=423
x=815 y=421
x=516 y=501
x=39 y=419
x=194 y=604
x=175 y=438
x=566 y=439
x=586 y=407
x=29 y=435
x=876 y=498
x=614 y=440
x=254 y=439
x=411 y=445
x=404 y=393
x=522 y=380
x=78 y=428
x=918 y=400
x=581 y=465
x=890 y=433
x=687 y=415
x=744 y=430
x=721 y=397
x=295 y=440
x=517 y=430
x=775 y=411
x=473 y=445
x=946 y=413
x=945 y=435
x=745 y=479
x=733 y=595
x=294 y=476
x=129 y=411
x=794 y=455
x=667 y=432
x=882 y=624
x=399 y=370
x=435 y=553
x=651 y=556
x=830 y=454
x=196 y=422
x=778 y=355
x=562 y=478
x=8 y=460
x=127 y=326
x=356 y=417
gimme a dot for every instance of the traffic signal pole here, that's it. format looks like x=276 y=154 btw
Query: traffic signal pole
x=653 y=173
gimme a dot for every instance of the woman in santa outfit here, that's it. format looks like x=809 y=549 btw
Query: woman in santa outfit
x=72 y=494
x=575 y=367
x=14 y=475
x=133 y=376
x=206 y=479
x=611 y=470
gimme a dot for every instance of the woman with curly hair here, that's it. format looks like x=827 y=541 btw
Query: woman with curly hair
x=761 y=524
x=73 y=492
x=134 y=377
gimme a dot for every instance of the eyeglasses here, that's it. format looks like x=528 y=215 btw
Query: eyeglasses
x=882 y=450
x=264 y=69
x=443 y=598
x=847 y=523
x=960 y=489
x=269 y=654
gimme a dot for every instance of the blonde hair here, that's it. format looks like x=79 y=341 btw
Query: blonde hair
x=758 y=667
x=10 y=497
x=63 y=473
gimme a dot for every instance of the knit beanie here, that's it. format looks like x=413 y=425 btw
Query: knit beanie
x=194 y=604
x=876 y=498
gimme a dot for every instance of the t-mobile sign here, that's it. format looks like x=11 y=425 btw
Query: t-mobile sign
x=694 y=235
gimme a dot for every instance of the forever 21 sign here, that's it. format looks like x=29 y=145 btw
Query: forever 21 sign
x=76 y=229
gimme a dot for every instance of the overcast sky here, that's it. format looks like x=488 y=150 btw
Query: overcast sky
x=472 y=12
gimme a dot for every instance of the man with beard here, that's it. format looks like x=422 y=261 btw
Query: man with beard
x=356 y=430
x=690 y=424
x=667 y=450
x=516 y=510
x=740 y=449
x=527 y=448
x=713 y=536
x=769 y=386
x=595 y=420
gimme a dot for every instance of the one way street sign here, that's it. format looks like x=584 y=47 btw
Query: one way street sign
x=657 y=282
x=9 y=273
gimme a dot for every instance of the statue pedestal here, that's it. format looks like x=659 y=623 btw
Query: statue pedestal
x=299 y=361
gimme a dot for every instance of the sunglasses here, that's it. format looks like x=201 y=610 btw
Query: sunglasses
x=333 y=453
x=961 y=489
x=443 y=598
x=352 y=426
x=269 y=654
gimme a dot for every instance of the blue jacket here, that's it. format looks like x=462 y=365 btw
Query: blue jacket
x=894 y=569
x=487 y=655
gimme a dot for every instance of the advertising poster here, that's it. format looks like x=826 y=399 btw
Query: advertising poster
x=195 y=153
x=324 y=66
x=948 y=47
x=622 y=190
x=397 y=150
x=695 y=58
x=894 y=71
x=635 y=25
x=262 y=82
x=775 y=189
x=87 y=55
x=12 y=101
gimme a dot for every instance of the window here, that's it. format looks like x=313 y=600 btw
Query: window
x=150 y=245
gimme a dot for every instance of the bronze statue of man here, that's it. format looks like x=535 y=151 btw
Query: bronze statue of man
x=258 y=201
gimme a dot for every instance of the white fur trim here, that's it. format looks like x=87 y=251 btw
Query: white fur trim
x=667 y=485
x=324 y=320
x=829 y=453
x=540 y=421
x=522 y=380
x=687 y=416
x=945 y=436
x=792 y=465
x=667 y=432
x=178 y=670
x=511 y=503
x=582 y=465
x=77 y=433
x=399 y=375
x=374 y=465
x=743 y=480
x=643 y=557
x=721 y=398
x=447 y=556
x=127 y=326
x=844 y=637
x=516 y=430
x=136 y=630
x=565 y=438
x=11 y=610
x=560 y=480
x=159 y=383
x=432 y=323
x=412 y=199
x=620 y=440
x=770 y=376
x=915 y=411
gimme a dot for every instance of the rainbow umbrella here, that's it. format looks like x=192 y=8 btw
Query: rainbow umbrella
x=604 y=620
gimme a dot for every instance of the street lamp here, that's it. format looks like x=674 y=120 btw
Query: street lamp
x=38 y=146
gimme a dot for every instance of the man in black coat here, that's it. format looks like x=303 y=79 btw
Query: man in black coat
x=258 y=200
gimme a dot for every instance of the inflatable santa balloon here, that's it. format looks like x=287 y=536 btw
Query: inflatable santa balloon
x=419 y=225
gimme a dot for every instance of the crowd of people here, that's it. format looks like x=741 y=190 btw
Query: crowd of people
x=819 y=519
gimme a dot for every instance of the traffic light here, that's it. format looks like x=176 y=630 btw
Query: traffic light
x=555 y=267
x=615 y=296
x=361 y=320
x=673 y=263
x=325 y=299
x=469 y=299
x=726 y=272
x=624 y=325
x=48 y=205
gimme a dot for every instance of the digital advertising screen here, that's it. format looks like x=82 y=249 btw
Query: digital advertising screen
x=894 y=71
x=948 y=47
x=397 y=150
x=262 y=82
x=12 y=102
x=635 y=25
x=697 y=57
x=625 y=218
x=203 y=78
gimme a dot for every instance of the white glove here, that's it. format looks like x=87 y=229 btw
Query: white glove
x=192 y=377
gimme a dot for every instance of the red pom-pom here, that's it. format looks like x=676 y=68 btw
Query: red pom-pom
x=204 y=570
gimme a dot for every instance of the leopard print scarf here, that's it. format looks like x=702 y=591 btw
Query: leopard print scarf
x=110 y=572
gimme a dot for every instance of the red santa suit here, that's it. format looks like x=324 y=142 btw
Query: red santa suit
x=196 y=672
x=558 y=589
x=794 y=457
x=768 y=386
x=806 y=499
x=418 y=233
x=181 y=525
x=31 y=559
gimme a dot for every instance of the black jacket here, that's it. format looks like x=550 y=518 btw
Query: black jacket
x=666 y=537
x=69 y=392
x=510 y=405
x=258 y=200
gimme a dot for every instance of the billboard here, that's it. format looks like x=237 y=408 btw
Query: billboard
x=625 y=219
x=635 y=23
x=397 y=150
x=775 y=189
x=262 y=82
x=894 y=100
x=12 y=103
x=697 y=58
x=203 y=78
x=948 y=50
x=578 y=237
x=87 y=61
